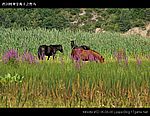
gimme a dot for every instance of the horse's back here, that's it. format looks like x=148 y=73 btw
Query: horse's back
x=86 y=55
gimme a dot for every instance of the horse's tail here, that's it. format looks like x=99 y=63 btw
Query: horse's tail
x=73 y=45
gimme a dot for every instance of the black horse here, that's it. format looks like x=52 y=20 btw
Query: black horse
x=50 y=50
x=73 y=46
x=56 y=48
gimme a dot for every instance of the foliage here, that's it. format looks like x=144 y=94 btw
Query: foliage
x=8 y=79
x=45 y=18
x=110 y=19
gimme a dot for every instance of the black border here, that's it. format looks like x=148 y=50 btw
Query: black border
x=82 y=3
x=76 y=111
x=77 y=4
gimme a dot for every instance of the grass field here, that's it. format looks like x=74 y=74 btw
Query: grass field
x=62 y=83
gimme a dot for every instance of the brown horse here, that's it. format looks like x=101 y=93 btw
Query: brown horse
x=86 y=55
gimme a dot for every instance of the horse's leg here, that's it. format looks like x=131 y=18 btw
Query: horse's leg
x=53 y=53
x=53 y=56
x=48 y=57
x=39 y=56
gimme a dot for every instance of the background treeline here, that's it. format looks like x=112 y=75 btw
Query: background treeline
x=87 y=19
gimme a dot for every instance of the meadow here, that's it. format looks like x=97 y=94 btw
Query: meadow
x=122 y=81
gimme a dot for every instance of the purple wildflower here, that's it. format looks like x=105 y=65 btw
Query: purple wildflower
x=75 y=57
x=78 y=64
x=117 y=56
x=126 y=60
x=10 y=55
x=42 y=56
x=77 y=60
x=28 y=57
x=138 y=60
x=120 y=55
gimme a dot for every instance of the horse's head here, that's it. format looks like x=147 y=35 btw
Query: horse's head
x=60 y=48
x=73 y=45
x=101 y=59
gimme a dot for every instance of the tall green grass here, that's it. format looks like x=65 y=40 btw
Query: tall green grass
x=52 y=84
x=105 y=43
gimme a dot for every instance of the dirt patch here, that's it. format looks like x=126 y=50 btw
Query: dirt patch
x=99 y=30
x=139 y=31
